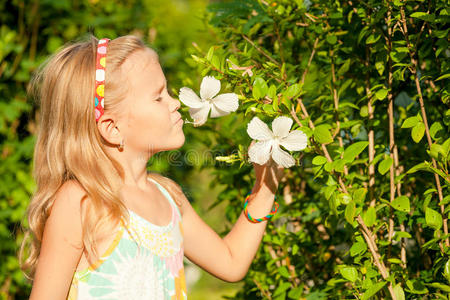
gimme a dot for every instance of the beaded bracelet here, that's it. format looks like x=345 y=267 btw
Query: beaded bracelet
x=272 y=212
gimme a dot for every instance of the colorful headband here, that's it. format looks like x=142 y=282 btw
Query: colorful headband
x=100 y=78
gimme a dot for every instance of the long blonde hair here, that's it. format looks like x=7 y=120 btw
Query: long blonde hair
x=69 y=146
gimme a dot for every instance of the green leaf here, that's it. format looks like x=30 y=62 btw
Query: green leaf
x=349 y=273
x=401 y=203
x=364 y=111
x=447 y=270
x=384 y=165
x=283 y=271
x=423 y=16
x=381 y=94
x=293 y=91
x=259 y=88
x=373 y=290
x=282 y=288
x=272 y=92
x=322 y=134
x=373 y=38
x=445 y=201
x=436 y=130
x=379 y=65
x=445 y=76
x=370 y=216
x=358 y=248
x=421 y=166
x=417 y=132
x=410 y=122
x=344 y=198
x=435 y=151
x=359 y=195
x=295 y=293
x=338 y=165
x=210 y=53
x=433 y=218
x=344 y=68
x=354 y=150
x=398 y=292
x=332 y=39
x=395 y=261
x=215 y=61
x=416 y=287
x=275 y=103
x=350 y=212
x=319 y=160
x=441 y=286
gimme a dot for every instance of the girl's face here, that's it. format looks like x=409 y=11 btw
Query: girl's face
x=153 y=123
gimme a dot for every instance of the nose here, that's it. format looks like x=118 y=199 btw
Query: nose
x=176 y=103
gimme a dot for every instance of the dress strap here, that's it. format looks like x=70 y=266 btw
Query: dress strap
x=167 y=195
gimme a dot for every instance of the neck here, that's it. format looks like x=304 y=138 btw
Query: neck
x=134 y=166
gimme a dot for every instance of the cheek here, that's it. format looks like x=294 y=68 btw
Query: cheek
x=151 y=121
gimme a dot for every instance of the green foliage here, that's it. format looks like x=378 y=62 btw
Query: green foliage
x=354 y=76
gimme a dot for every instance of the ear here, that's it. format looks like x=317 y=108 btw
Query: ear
x=109 y=129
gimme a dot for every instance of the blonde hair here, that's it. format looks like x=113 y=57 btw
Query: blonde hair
x=69 y=146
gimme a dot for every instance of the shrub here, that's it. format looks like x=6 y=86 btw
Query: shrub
x=364 y=212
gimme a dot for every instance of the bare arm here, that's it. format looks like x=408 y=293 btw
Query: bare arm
x=61 y=246
x=230 y=258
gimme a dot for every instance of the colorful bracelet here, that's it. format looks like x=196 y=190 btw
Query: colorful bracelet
x=272 y=212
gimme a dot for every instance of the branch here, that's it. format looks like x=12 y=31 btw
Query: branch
x=424 y=117
x=261 y=51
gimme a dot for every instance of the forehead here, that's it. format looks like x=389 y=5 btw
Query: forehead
x=143 y=69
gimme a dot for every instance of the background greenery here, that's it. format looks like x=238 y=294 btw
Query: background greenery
x=362 y=215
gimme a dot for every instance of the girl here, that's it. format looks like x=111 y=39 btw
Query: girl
x=102 y=227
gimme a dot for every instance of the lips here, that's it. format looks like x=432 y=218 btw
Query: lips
x=178 y=120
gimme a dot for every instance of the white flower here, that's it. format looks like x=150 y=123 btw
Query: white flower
x=219 y=105
x=269 y=142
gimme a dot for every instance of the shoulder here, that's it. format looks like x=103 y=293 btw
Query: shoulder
x=65 y=212
x=173 y=188
x=69 y=196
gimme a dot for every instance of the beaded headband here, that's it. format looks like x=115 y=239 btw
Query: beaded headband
x=100 y=78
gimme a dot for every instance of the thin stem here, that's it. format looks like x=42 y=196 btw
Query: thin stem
x=261 y=51
x=414 y=62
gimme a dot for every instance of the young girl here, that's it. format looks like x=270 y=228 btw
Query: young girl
x=102 y=227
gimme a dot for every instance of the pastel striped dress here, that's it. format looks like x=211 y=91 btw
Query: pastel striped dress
x=153 y=271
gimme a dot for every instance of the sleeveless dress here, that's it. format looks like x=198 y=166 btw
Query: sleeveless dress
x=151 y=269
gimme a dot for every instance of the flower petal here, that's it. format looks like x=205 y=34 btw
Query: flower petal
x=295 y=141
x=282 y=158
x=260 y=152
x=217 y=112
x=190 y=98
x=209 y=87
x=227 y=102
x=258 y=130
x=200 y=115
x=281 y=126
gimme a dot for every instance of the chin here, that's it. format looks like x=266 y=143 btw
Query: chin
x=181 y=141
x=178 y=143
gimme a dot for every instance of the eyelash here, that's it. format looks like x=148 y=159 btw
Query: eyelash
x=160 y=98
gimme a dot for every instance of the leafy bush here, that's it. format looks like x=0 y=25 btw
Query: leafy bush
x=364 y=213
